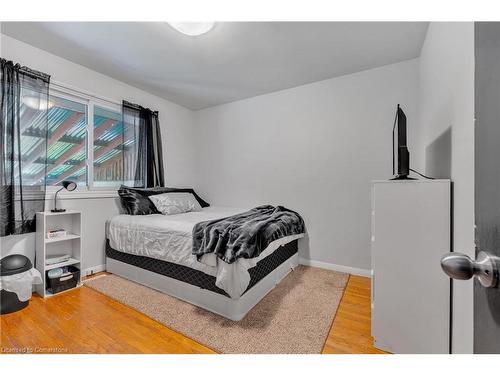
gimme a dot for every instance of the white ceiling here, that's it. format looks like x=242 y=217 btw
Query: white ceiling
x=235 y=60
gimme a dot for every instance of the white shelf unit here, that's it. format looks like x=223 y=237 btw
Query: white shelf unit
x=71 y=244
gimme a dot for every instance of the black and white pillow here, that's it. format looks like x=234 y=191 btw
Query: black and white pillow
x=135 y=201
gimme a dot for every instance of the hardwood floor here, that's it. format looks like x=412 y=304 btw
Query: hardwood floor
x=351 y=328
x=85 y=321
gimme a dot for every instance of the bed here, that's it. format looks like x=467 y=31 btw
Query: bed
x=156 y=251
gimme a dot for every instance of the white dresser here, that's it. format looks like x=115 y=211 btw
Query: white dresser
x=410 y=293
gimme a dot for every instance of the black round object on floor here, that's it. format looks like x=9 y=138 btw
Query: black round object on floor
x=12 y=265
x=10 y=303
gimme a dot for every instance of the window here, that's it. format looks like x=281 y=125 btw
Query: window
x=67 y=142
x=87 y=142
x=131 y=143
x=108 y=147
x=32 y=138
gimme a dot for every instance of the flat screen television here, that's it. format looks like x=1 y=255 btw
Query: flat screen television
x=400 y=153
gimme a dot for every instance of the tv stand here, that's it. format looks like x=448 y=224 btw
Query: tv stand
x=402 y=178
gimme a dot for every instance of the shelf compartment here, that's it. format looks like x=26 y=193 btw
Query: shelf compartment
x=69 y=262
x=48 y=292
x=64 y=238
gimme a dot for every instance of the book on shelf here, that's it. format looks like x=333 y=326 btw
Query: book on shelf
x=56 y=233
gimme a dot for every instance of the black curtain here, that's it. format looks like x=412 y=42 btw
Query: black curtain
x=148 y=168
x=24 y=102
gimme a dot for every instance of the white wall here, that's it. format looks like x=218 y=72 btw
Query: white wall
x=314 y=149
x=446 y=98
x=177 y=134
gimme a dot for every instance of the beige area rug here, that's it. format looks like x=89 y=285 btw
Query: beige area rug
x=295 y=317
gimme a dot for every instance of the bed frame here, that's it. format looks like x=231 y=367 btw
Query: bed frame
x=212 y=298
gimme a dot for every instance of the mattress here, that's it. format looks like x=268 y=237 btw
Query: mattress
x=169 y=238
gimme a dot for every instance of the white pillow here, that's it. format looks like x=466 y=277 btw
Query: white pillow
x=175 y=203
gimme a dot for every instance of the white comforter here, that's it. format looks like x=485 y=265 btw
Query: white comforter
x=169 y=238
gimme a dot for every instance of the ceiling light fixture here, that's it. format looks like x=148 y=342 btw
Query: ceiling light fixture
x=192 y=28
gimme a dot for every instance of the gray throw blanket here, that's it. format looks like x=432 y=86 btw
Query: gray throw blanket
x=247 y=234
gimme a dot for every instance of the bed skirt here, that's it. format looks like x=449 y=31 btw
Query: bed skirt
x=199 y=288
x=199 y=278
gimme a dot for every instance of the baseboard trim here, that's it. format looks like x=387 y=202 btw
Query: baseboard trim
x=335 y=267
x=93 y=270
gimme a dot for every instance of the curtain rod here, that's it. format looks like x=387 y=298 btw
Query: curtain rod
x=27 y=71
x=35 y=74
x=138 y=107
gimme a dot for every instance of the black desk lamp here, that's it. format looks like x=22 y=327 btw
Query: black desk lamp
x=69 y=186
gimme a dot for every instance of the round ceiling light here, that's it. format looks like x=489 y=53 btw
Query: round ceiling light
x=192 y=28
